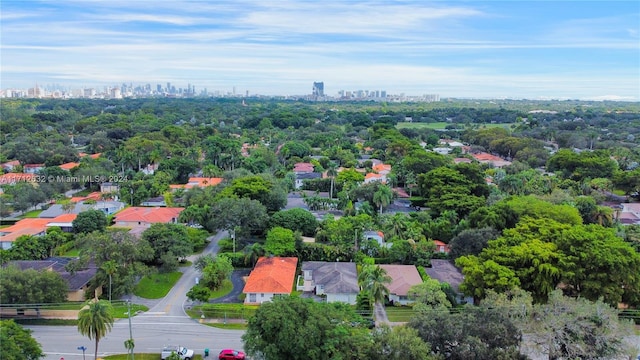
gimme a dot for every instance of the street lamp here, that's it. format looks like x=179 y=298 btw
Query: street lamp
x=83 y=348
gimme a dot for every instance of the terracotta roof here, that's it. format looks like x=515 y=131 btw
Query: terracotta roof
x=403 y=277
x=373 y=176
x=382 y=167
x=64 y=218
x=95 y=156
x=10 y=164
x=69 y=165
x=198 y=182
x=272 y=275
x=148 y=214
x=486 y=157
x=29 y=226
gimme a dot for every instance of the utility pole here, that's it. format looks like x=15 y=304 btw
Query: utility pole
x=130 y=331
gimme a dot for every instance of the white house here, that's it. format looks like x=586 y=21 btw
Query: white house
x=272 y=276
x=338 y=281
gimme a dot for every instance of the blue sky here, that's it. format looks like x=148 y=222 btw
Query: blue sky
x=472 y=49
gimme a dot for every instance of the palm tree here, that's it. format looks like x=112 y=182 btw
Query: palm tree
x=110 y=267
x=332 y=172
x=253 y=252
x=382 y=198
x=95 y=320
x=373 y=279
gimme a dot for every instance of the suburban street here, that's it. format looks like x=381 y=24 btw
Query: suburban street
x=166 y=323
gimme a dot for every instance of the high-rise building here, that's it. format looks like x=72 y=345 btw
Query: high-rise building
x=318 y=89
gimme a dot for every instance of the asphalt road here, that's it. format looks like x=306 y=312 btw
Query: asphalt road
x=166 y=323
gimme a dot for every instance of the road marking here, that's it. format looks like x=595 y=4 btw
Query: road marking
x=155 y=312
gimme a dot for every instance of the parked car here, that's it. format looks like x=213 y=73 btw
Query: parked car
x=230 y=354
x=183 y=352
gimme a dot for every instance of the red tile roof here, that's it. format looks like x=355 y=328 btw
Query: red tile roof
x=29 y=226
x=198 y=182
x=148 y=214
x=381 y=167
x=272 y=275
x=69 y=165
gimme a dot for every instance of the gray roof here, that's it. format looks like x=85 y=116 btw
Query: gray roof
x=55 y=210
x=335 y=277
x=445 y=271
x=305 y=176
x=75 y=280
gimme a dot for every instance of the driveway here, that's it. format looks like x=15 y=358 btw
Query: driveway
x=238 y=285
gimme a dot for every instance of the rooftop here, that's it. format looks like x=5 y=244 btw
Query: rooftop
x=272 y=275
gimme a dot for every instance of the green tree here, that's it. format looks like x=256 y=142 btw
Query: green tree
x=280 y=242
x=471 y=241
x=295 y=328
x=16 y=342
x=383 y=197
x=31 y=286
x=374 y=280
x=296 y=219
x=239 y=215
x=399 y=343
x=168 y=239
x=428 y=296
x=199 y=293
x=214 y=270
x=89 y=221
x=576 y=328
x=95 y=320
x=474 y=333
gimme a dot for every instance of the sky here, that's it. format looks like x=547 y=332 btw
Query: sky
x=588 y=50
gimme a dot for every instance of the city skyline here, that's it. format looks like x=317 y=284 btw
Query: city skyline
x=587 y=50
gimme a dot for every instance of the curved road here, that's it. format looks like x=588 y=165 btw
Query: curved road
x=165 y=323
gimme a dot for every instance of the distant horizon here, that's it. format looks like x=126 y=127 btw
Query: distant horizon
x=580 y=50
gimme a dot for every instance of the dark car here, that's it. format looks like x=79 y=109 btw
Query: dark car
x=230 y=354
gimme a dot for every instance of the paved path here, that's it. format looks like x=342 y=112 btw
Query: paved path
x=238 y=286
x=164 y=323
x=380 y=314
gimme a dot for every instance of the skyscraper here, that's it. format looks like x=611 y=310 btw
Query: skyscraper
x=318 y=89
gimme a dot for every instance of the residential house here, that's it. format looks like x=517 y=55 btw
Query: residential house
x=154 y=201
x=10 y=165
x=375 y=235
x=445 y=271
x=271 y=277
x=28 y=226
x=77 y=281
x=32 y=168
x=136 y=216
x=462 y=160
x=383 y=169
x=300 y=168
x=371 y=177
x=199 y=182
x=33 y=227
x=486 y=158
x=301 y=177
x=403 y=277
x=64 y=222
x=630 y=213
x=338 y=281
x=441 y=247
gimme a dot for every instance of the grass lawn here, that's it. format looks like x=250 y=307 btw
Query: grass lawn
x=31 y=214
x=72 y=253
x=185 y=263
x=234 y=326
x=226 y=288
x=120 y=310
x=399 y=313
x=143 y=356
x=156 y=286
x=221 y=311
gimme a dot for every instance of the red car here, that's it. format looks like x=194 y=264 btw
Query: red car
x=230 y=354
